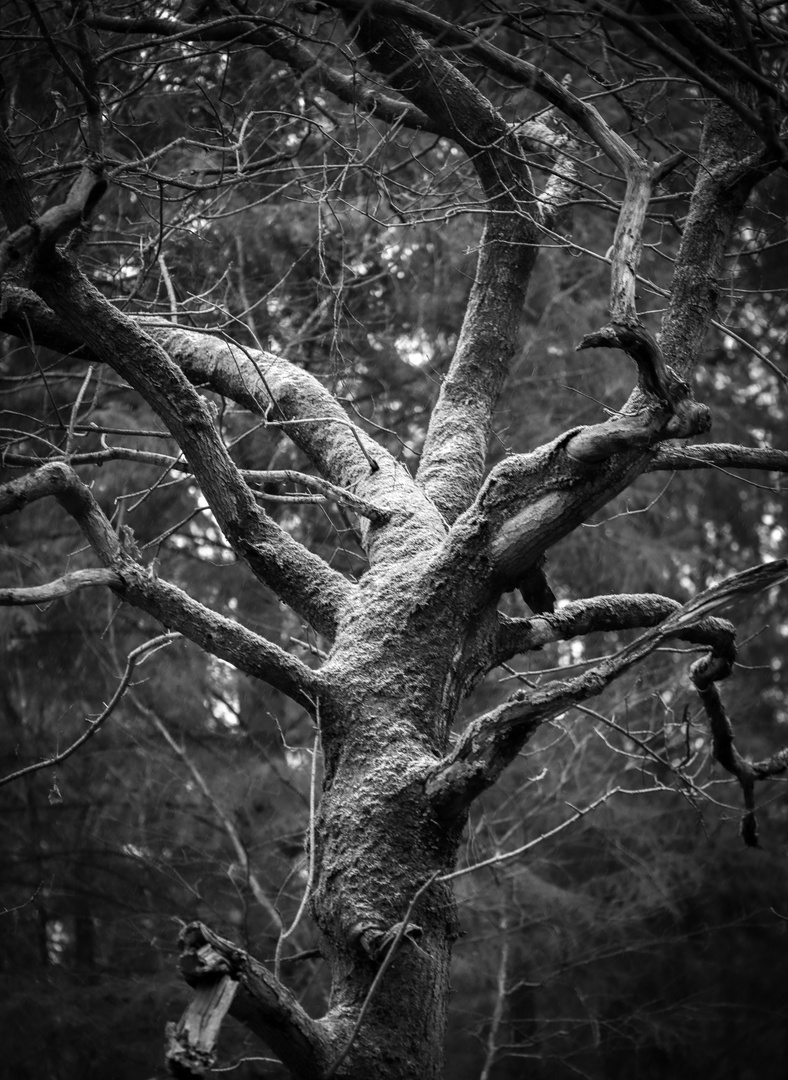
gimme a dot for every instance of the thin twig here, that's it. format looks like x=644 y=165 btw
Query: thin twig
x=504 y=856
x=75 y=413
x=133 y=659
x=311 y=873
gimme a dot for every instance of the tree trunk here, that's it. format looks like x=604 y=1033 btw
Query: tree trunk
x=378 y=841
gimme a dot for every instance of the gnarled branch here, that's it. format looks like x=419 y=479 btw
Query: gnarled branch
x=270 y=386
x=491 y=742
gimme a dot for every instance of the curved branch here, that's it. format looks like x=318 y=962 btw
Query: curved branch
x=135 y=657
x=54 y=590
x=281 y=46
x=530 y=501
x=271 y=386
x=265 y=383
x=605 y=614
x=43 y=233
x=455 y=450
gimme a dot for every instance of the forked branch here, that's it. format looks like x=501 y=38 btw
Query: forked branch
x=267 y=385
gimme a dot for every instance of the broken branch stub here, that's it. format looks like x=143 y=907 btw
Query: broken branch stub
x=674 y=415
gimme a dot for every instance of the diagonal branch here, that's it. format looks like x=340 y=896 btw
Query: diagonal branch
x=225 y=820
x=172 y=607
x=705 y=48
x=300 y=578
x=42 y=233
x=491 y=742
x=136 y=656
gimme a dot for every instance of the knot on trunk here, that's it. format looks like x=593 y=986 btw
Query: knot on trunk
x=376 y=941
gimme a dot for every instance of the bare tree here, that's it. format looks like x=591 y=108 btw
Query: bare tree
x=405 y=642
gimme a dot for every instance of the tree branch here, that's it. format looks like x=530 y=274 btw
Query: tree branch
x=43 y=234
x=530 y=501
x=259 y=1001
x=455 y=450
x=300 y=578
x=16 y=204
x=604 y=614
x=271 y=386
x=172 y=607
x=697 y=68
x=136 y=656
x=491 y=742
x=718 y=455
x=281 y=46
x=54 y=590
x=224 y=819
x=521 y=71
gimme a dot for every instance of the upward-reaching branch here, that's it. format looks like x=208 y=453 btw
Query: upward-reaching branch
x=455 y=451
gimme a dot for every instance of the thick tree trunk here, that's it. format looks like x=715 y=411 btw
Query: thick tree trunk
x=378 y=842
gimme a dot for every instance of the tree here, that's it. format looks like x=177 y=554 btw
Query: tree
x=213 y=217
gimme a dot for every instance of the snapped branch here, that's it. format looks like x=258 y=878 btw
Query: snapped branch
x=227 y=979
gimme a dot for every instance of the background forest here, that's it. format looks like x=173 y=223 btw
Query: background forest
x=643 y=941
